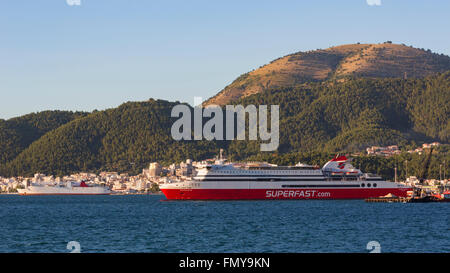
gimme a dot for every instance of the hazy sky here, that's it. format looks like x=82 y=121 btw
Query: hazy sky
x=102 y=53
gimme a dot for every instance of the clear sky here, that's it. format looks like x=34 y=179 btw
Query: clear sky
x=102 y=53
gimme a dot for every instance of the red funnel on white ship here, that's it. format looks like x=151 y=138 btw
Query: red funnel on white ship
x=340 y=165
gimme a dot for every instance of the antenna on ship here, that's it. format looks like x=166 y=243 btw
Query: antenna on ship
x=219 y=159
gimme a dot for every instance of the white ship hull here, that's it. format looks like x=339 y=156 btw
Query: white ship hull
x=53 y=190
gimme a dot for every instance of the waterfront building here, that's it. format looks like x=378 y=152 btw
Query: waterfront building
x=383 y=151
x=154 y=170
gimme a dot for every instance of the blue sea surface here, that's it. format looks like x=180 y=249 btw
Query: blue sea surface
x=149 y=223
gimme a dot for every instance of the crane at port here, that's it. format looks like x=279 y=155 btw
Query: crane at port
x=423 y=173
x=426 y=166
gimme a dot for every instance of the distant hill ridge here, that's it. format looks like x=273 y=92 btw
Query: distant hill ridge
x=384 y=60
x=340 y=99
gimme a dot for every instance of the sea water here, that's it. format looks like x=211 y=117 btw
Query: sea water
x=150 y=223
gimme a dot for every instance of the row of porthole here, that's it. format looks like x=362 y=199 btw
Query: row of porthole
x=368 y=185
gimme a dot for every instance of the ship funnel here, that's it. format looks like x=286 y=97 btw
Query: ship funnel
x=340 y=164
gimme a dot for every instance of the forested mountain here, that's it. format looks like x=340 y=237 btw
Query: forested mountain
x=122 y=139
x=351 y=115
x=324 y=112
x=384 y=60
x=16 y=134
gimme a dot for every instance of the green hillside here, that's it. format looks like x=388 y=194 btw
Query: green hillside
x=351 y=115
x=16 y=134
x=122 y=139
x=322 y=118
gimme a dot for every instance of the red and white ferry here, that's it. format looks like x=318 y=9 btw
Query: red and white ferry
x=338 y=179
x=69 y=188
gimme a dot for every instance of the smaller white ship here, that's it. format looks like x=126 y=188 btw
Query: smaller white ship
x=68 y=188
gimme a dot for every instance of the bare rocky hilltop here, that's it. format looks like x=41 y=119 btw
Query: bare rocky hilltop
x=384 y=60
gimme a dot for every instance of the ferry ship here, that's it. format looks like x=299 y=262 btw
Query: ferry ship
x=64 y=189
x=338 y=179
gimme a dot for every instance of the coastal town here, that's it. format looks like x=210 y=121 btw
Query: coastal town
x=394 y=150
x=149 y=180
x=119 y=183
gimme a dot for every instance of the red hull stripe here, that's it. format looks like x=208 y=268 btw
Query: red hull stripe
x=261 y=194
